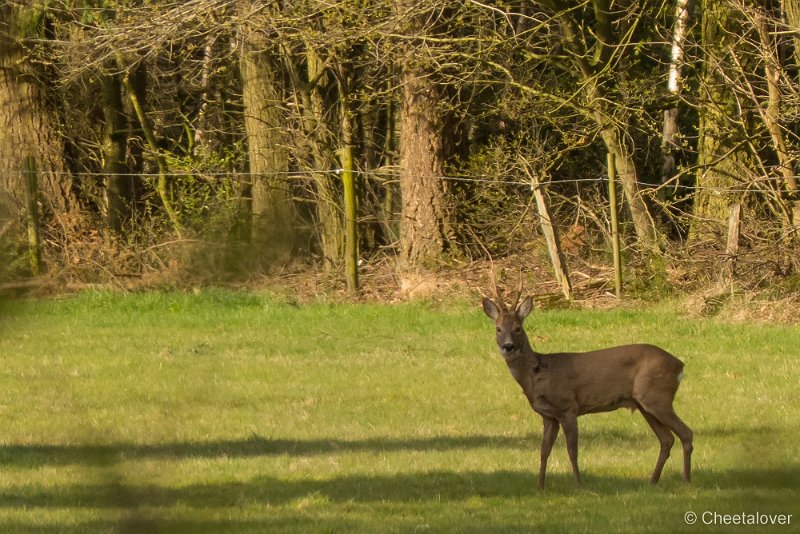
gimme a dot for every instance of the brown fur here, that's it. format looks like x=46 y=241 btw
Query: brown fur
x=560 y=387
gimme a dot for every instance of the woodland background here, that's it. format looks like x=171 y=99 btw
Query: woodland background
x=150 y=142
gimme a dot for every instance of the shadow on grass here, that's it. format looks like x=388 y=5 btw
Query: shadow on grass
x=140 y=508
x=435 y=486
x=141 y=524
x=35 y=455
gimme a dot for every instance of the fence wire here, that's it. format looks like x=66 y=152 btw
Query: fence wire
x=767 y=185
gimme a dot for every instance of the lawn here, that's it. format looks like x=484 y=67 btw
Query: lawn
x=231 y=412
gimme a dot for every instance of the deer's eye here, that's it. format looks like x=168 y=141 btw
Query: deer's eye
x=498 y=329
x=517 y=330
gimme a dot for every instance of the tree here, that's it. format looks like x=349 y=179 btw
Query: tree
x=723 y=159
x=344 y=97
x=748 y=140
x=119 y=183
x=581 y=69
x=28 y=122
x=600 y=54
x=425 y=232
x=273 y=219
x=671 y=129
x=780 y=97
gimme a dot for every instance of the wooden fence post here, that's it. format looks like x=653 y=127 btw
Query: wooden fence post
x=732 y=243
x=551 y=237
x=612 y=196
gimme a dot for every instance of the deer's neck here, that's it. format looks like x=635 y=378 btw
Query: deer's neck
x=524 y=364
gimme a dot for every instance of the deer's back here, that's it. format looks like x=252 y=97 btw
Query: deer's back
x=608 y=379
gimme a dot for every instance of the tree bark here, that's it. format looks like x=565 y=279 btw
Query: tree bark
x=349 y=190
x=118 y=181
x=318 y=132
x=671 y=129
x=425 y=227
x=772 y=113
x=28 y=125
x=311 y=82
x=732 y=243
x=424 y=223
x=613 y=215
x=625 y=168
x=32 y=209
x=273 y=217
x=722 y=160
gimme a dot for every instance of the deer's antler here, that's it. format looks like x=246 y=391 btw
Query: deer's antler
x=498 y=295
x=518 y=292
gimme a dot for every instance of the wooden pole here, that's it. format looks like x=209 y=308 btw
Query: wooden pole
x=732 y=243
x=350 y=198
x=30 y=180
x=612 y=194
x=551 y=237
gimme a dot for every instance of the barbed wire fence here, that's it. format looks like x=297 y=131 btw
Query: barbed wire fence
x=580 y=206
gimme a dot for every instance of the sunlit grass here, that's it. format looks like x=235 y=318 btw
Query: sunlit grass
x=234 y=412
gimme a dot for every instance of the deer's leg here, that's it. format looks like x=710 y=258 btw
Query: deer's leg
x=548 y=438
x=669 y=419
x=686 y=436
x=666 y=439
x=570 y=424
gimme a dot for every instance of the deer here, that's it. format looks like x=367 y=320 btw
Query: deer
x=560 y=387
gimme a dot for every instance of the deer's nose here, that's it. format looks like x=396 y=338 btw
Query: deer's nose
x=508 y=346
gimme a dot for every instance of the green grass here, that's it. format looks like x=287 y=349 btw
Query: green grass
x=226 y=412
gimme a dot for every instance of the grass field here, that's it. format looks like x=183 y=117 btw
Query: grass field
x=226 y=412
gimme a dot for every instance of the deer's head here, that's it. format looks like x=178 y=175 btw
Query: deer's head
x=508 y=320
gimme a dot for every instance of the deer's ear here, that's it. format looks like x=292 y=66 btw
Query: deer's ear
x=490 y=308
x=525 y=308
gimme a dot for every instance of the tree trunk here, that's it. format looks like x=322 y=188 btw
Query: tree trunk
x=32 y=209
x=722 y=160
x=119 y=182
x=671 y=129
x=625 y=168
x=272 y=230
x=595 y=75
x=732 y=244
x=791 y=10
x=318 y=132
x=208 y=116
x=27 y=124
x=349 y=190
x=162 y=184
x=311 y=82
x=792 y=15
x=613 y=215
x=424 y=226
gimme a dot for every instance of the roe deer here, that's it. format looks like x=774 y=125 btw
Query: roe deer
x=560 y=387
